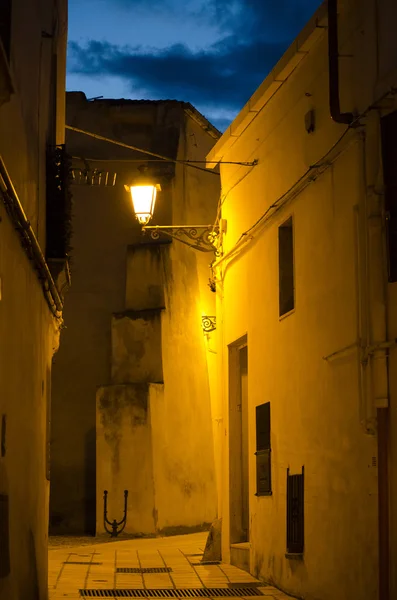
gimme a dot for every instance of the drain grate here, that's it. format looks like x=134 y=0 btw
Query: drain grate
x=81 y=562
x=206 y=562
x=172 y=593
x=144 y=570
x=244 y=584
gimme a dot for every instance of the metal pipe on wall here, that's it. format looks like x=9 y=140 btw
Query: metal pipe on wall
x=333 y=66
x=377 y=349
x=29 y=242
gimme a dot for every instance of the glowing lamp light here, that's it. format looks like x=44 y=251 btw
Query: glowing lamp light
x=143 y=196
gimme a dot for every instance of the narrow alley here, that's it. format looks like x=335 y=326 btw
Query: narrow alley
x=147 y=568
x=198 y=299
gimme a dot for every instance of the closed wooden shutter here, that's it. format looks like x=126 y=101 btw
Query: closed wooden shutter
x=4 y=537
x=295 y=513
x=263 y=450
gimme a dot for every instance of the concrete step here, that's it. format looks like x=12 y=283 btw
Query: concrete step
x=240 y=555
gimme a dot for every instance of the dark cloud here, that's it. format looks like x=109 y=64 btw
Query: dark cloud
x=254 y=34
x=279 y=20
x=224 y=76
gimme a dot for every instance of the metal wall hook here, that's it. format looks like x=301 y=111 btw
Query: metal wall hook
x=114 y=532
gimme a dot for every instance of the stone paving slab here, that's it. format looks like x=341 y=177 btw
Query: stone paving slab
x=71 y=568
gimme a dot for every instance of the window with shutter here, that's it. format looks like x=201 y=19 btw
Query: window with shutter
x=263 y=449
x=295 y=513
x=286 y=267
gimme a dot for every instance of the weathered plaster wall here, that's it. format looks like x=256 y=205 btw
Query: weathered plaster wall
x=28 y=342
x=196 y=202
x=317 y=410
x=103 y=227
x=136 y=347
x=144 y=265
x=124 y=449
x=181 y=439
x=115 y=326
x=28 y=334
x=181 y=420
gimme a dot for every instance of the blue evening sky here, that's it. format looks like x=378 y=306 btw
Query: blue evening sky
x=211 y=53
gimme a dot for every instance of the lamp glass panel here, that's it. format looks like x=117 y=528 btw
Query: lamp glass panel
x=143 y=201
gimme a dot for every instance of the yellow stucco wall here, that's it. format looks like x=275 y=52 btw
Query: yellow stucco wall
x=29 y=339
x=29 y=334
x=320 y=414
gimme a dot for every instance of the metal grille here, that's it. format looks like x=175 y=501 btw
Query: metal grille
x=172 y=593
x=144 y=570
x=295 y=513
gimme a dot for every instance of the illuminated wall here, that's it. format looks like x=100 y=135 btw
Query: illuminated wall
x=315 y=363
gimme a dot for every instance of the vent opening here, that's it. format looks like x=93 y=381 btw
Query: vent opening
x=173 y=593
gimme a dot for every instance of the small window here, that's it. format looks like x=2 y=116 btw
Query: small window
x=5 y=26
x=286 y=267
x=295 y=513
x=263 y=461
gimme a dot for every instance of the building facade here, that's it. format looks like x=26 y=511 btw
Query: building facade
x=131 y=392
x=306 y=313
x=32 y=273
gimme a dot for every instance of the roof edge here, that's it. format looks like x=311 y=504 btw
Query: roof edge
x=299 y=48
x=199 y=118
x=188 y=108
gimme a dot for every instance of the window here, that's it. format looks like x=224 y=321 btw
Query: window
x=263 y=462
x=5 y=26
x=389 y=154
x=295 y=513
x=3 y=435
x=286 y=267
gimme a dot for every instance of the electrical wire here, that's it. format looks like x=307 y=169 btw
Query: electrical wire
x=157 y=156
x=304 y=179
x=205 y=162
x=223 y=198
x=135 y=148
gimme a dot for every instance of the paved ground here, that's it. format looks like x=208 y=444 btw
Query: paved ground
x=95 y=567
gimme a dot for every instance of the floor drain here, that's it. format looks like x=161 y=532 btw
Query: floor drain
x=172 y=593
x=144 y=570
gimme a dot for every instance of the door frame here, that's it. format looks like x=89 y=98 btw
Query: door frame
x=235 y=481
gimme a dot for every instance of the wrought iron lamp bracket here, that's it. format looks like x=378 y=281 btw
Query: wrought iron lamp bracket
x=200 y=237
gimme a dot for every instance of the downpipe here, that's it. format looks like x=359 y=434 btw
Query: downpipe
x=333 y=67
x=375 y=348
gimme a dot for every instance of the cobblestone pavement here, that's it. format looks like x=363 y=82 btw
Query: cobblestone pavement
x=75 y=570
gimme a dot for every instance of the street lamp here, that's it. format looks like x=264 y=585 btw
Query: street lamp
x=206 y=238
x=143 y=192
x=143 y=195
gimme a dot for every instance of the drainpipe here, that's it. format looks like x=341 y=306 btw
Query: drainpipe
x=333 y=66
x=376 y=352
